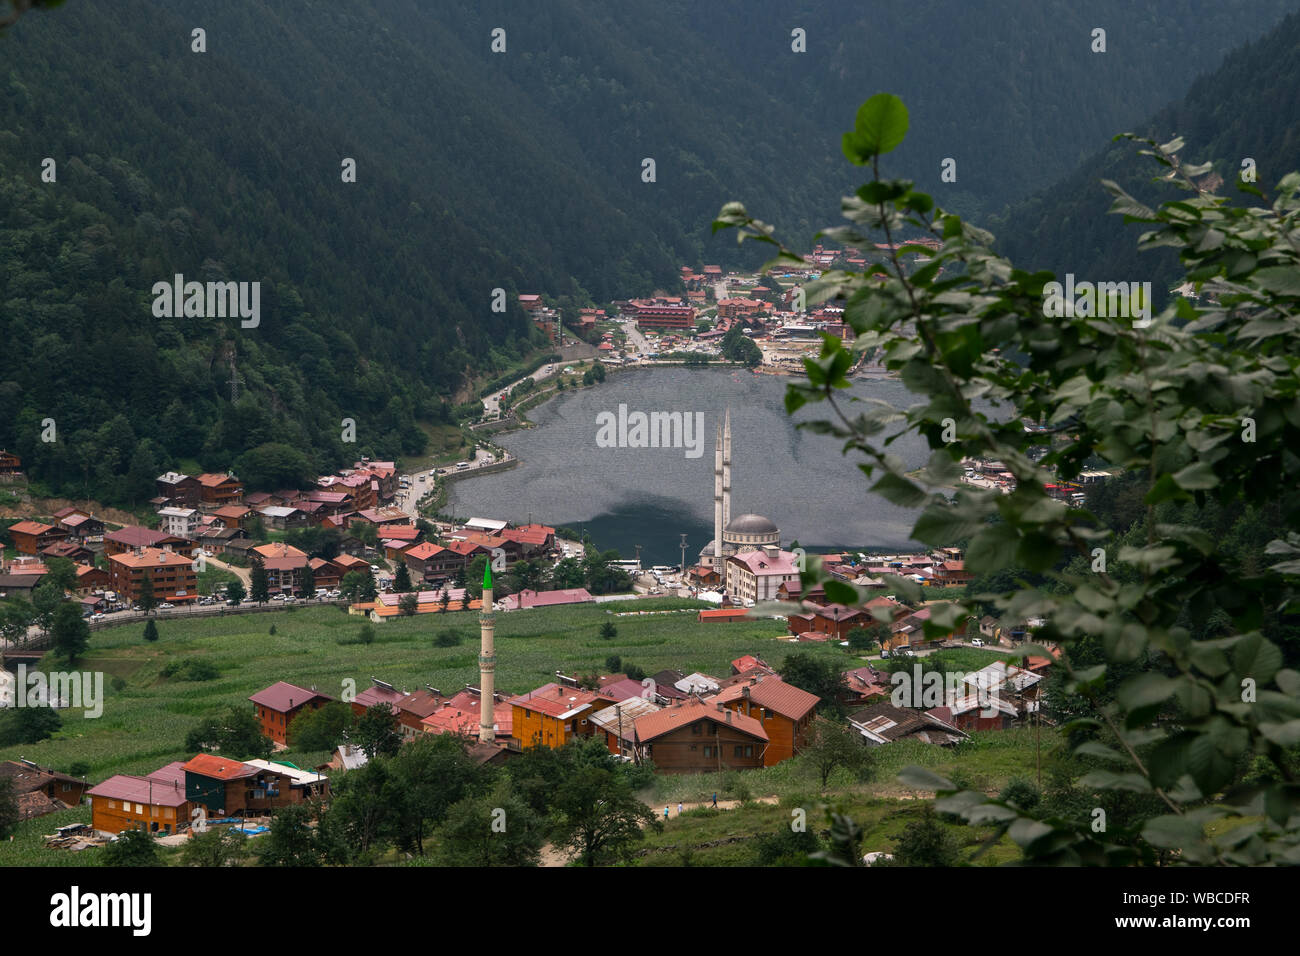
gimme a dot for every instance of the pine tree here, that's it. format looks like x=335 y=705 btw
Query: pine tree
x=151 y=630
x=260 y=585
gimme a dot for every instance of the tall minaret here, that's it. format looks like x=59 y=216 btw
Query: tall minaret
x=487 y=663
x=717 y=502
x=726 y=492
x=726 y=473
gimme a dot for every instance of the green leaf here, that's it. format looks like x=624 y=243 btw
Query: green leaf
x=880 y=126
x=1171 y=832
x=918 y=778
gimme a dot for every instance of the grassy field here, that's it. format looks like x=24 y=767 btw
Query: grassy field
x=146 y=717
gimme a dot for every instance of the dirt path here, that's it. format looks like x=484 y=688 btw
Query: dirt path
x=551 y=856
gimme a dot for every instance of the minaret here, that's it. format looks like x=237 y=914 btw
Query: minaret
x=717 y=502
x=487 y=662
x=726 y=473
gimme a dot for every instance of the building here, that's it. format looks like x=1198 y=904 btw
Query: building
x=10 y=464
x=656 y=316
x=179 y=521
x=284 y=565
x=618 y=723
x=220 y=785
x=551 y=716
x=529 y=599
x=29 y=537
x=181 y=491
x=154 y=803
x=697 y=736
x=171 y=576
x=758 y=575
x=883 y=723
x=132 y=537
x=785 y=712
x=38 y=790
x=79 y=525
x=216 y=490
x=279 y=704
x=233 y=516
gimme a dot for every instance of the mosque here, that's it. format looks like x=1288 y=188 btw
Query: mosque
x=747 y=532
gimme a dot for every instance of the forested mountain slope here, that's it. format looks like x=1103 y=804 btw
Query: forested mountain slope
x=475 y=170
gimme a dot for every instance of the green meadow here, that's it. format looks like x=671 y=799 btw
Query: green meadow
x=146 y=716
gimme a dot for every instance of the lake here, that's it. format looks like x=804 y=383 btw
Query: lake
x=626 y=496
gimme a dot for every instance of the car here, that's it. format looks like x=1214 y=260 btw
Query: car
x=164 y=606
x=289 y=599
x=278 y=597
x=884 y=654
x=374 y=567
x=977 y=643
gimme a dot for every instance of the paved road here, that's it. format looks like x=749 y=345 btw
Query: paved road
x=422 y=481
x=492 y=403
x=638 y=342
x=244 y=574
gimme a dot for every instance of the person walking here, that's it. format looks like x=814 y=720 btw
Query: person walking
x=715 y=800
x=665 y=811
x=679 y=808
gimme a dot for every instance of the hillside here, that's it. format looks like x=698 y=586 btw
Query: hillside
x=1248 y=107
x=475 y=171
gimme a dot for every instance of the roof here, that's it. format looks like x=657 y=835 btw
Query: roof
x=133 y=536
x=527 y=599
x=883 y=723
x=556 y=700
x=31 y=527
x=723 y=614
x=760 y=562
x=219 y=768
x=299 y=777
x=772 y=693
x=278 y=549
x=620 y=719
x=26 y=778
x=144 y=790
x=216 y=480
x=282 y=696
x=665 y=721
x=623 y=689
x=424 y=550
x=149 y=558
x=697 y=682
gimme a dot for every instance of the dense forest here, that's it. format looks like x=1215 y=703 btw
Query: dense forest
x=474 y=171
x=1244 y=109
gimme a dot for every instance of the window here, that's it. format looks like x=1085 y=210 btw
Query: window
x=739 y=751
x=697 y=729
x=112 y=804
x=749 y=750
x=708 y=751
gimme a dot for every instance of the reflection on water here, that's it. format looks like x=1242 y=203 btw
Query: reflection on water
x=649 y=496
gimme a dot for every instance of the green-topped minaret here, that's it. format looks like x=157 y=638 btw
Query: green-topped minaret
x=487 y=662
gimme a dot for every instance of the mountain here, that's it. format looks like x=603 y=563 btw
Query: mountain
x=1247 y=108
x=476 y=170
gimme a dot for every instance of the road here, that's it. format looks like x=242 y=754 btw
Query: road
x=638 y=342
x=422 y=481
x=244 y=574
x=492 y=403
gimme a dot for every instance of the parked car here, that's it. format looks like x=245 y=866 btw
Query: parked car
x=977 y=643
x=164 y=606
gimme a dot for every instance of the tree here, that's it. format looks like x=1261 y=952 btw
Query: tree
x=290 y=841
x=10 y=816
x=47 y=597
x=132 y=848
x=927 y=842
x=444 y=599
x=402 y=580
x=598 y=816
x=235 y=591
x=16 y=616
x=28 y=725
x=832 y=744
x=365 y=805
x=1173 y=397
x=868 y=638
x=815 y=675
x=146 y=598
x=70 y=632
x=151 y=630
x=432 y=773
x=568 y=573
x=608 y=631
x=613 y=663
x=353 y=585
x=259 y=585
x=307 y=582
x=408 y=604
x=235 y=733
x=321 y=729
x=218 y=846
x=376 y=732
x=497 y=829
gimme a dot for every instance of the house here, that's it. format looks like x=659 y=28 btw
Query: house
x=389 y=605
x=279 y=784
x=698 y=683
x=10 y=464
x=181 y=491
x=883 y=723
x=154 y=803
x=431 y=562
x=722 y=614
x=757 y=575
x=39 y=790
x=220 y=785
x=29 y=537
x=866 y=685
x=90 y=578
x=19 y=585
x=219 y=539
x=785 y=711
x=179 y=521
x=618 y=723
x=324 y=573
x=171 y=576
x=284 y=565
x=831 y=622
x=280 y=703
x=131 y=537
x=981 y=711
x=70 y=550
x=529 y=599
x=216 y=490
x=233 y=516
x=80 y=525
x=551 y=716
x=696 y=736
